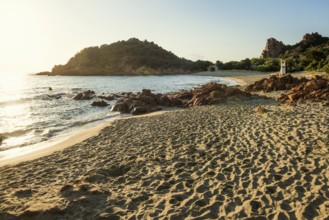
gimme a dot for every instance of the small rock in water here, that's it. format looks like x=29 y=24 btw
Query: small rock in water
x=49 y=135
x=100 y=103
x=86 y=95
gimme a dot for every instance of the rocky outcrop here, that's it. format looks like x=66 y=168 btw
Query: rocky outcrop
x=272 y=49
x=310 y=91
x=146 y=101
x=299 y=90
x=140 y=103
x=275 y=83
x=209 y=93
x=312 y=39
x=86 y=95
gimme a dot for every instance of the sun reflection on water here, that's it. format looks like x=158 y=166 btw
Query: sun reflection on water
x=14 y=115
x=12 y=87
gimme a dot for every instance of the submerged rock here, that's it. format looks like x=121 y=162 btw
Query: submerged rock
x=56 y=96
x=108 y=97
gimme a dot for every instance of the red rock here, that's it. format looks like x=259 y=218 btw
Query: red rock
x=313 y=90
x=209 y=93
x=294 y=96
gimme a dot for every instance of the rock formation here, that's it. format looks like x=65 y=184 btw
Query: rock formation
x=312 y=39
x=209 y=93
x=300 y=90
x=272 y=49
x=275 y=83
x=86 y=95
x=101 y=103
x=313 y=90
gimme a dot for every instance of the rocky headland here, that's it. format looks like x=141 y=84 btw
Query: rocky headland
x=130 y=57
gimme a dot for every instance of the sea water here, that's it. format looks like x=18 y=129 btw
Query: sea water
x=31 y=112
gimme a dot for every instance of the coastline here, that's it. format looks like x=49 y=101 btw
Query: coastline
x=209 y=162
x=205 y=162
x=18 y=155
x=27 y=153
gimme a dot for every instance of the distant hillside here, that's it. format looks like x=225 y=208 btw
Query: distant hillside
x=311 y=54
x=131 y=57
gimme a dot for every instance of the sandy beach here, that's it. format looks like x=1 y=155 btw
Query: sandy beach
x=225 y=161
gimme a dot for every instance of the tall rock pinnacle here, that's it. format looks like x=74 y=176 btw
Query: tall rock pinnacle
x=273 y=48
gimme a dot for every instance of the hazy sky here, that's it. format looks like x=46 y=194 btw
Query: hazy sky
x=37 y=34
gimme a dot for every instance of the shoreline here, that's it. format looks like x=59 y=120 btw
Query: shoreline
x=18 y=155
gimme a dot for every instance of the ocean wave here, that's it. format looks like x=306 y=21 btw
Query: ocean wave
x=16 y=133
x=84 y=122
x=45 y=96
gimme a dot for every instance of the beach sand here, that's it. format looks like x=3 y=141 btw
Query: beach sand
x=248 y=77
x=211 y=162
x=225 y=161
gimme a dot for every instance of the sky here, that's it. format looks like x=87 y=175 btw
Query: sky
x=38 y=34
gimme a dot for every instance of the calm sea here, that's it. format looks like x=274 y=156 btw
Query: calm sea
x=30 y=114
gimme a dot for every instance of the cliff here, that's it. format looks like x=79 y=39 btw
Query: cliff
x=273 y=48
x=131 y=57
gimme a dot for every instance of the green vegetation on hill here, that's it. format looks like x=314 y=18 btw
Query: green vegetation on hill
x=310 y=54
x=131 y=57
x=257 y=64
